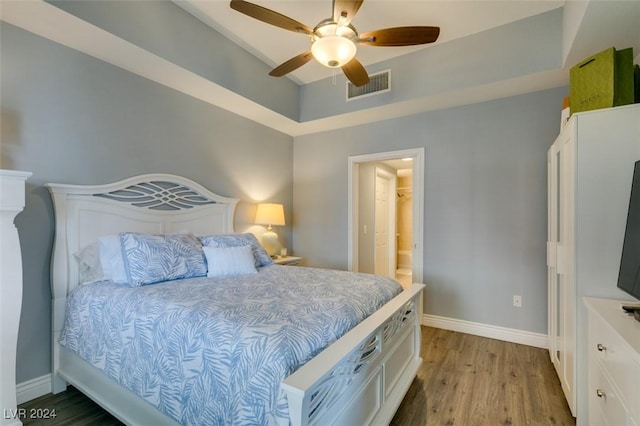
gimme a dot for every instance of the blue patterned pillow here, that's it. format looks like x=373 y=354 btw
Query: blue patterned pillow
x=236 y=240
x=153 y=258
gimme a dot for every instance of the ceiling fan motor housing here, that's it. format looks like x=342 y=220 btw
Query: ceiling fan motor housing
x=333 y=45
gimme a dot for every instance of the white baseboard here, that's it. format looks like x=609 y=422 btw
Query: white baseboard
x=529 y=338
x=34 y=388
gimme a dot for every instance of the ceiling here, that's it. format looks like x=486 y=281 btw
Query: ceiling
x=456 y=19
x=588 y=26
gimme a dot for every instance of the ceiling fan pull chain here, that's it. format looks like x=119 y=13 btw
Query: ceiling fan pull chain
x=334 y=78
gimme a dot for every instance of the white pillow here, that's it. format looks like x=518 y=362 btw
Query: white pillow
x=261 y=256
x=89 y=268
x=111 y=259
x=226 y=261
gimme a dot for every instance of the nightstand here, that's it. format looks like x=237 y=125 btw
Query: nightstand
x=287 y=260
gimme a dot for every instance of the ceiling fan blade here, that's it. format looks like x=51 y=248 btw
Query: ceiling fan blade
x=345 y=10
x=356 y=73
x=400 y=36
x=292 y=64
x=269 y=16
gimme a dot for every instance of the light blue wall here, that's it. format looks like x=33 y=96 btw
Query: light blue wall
x=485 y=202
x=70 y=118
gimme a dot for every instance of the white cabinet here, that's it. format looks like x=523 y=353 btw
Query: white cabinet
x=11 y=203
x=614 y=364
x=590 y=168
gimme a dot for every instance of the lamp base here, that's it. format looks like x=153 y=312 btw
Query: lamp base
x=270 y=243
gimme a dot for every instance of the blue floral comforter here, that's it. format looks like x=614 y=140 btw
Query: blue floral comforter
x=213 y=351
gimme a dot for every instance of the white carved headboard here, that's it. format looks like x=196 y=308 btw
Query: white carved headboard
x=153 y=203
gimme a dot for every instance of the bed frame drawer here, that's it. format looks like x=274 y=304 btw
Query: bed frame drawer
x=365 y=406
x=394 y=367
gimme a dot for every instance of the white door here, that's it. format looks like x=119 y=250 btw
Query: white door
x=560 y=266
x=384 y=229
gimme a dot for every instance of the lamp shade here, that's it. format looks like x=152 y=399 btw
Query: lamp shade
x=333 y=44
x=270 y=214
x=333 y=51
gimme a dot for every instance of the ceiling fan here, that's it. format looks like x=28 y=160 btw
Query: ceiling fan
x=334 y=40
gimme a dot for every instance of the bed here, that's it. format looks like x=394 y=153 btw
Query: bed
x=361 y=364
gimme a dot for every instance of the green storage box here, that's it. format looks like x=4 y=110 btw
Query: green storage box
x=601 y=81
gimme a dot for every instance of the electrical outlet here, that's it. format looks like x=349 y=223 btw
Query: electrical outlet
x=517 y=301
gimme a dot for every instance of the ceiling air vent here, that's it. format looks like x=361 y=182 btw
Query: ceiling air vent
x=378 y=83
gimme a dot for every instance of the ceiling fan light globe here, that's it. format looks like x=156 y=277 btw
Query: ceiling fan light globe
x=333 y=51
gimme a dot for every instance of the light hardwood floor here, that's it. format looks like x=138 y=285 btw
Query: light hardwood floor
x=464 y=380
x=471 y=380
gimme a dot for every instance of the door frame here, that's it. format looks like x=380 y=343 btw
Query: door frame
x=354 y=161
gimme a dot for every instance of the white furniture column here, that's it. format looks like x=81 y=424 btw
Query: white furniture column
x=11 y=203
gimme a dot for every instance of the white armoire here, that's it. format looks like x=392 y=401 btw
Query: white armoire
x=590 y=168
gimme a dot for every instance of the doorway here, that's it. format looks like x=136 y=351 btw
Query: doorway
x=404 y=224
x=361 y=241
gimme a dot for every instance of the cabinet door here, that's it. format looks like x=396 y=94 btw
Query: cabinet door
x=560 y=275
x=552 y=245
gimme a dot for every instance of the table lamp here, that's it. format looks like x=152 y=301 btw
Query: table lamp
x=270 y=214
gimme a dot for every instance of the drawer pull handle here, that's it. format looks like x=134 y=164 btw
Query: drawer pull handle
x=601 y=393
x=601 y=347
